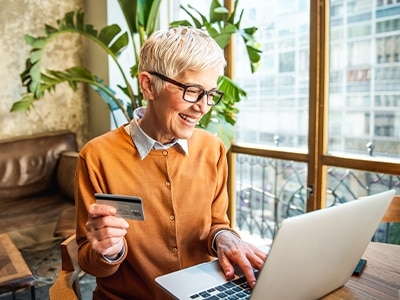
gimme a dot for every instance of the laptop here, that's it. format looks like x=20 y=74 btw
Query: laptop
x=312 y=255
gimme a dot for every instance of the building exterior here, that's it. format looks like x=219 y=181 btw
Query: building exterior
x=364 y=76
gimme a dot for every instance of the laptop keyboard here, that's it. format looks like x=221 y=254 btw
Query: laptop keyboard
x=235 y=289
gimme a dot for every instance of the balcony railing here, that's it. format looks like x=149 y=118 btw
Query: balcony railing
x=268 y=190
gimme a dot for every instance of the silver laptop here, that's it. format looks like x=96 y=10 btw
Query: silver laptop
x=312 y=255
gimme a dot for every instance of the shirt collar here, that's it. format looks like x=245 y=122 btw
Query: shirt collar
x=143 y=142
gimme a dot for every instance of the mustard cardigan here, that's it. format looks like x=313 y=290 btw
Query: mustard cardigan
x=184 y=199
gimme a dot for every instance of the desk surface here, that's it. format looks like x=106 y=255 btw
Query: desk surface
x=380 y=279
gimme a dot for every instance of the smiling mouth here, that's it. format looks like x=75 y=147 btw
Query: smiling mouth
x=188 y=119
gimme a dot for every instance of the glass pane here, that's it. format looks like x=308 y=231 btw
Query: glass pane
x=276 y=109
x=364 y=78
x=268 y=191
x=346 y=185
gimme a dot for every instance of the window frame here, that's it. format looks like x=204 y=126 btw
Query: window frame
x=317 y=157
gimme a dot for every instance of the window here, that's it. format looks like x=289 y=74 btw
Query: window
x=358 y=97
x=321 y=124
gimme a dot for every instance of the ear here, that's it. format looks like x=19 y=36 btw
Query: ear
x=146 y=85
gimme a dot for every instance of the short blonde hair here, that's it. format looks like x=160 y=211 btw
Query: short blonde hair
x=180 y=49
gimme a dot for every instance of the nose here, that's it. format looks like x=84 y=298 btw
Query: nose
x=209 y=97
x=203 y=102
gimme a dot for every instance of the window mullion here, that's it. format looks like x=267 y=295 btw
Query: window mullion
x=317 y=128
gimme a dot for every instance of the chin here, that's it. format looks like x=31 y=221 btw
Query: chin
x=184 y=135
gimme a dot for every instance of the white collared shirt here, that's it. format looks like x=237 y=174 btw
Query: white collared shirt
x=143 y=142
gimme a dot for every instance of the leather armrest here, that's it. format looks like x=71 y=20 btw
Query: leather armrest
x=66 y=173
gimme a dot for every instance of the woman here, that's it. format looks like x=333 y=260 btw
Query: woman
x=179 y=171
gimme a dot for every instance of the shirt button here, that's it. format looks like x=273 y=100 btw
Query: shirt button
x=172 y=217
x=167 y=183
x=174 y=250
x=165 y=152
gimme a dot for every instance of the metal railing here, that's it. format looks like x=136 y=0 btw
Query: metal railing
x=268 y=190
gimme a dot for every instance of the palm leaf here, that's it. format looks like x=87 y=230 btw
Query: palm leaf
x=110 y=39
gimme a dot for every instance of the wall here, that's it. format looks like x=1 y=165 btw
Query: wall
x=97 y=63
x=63 y=109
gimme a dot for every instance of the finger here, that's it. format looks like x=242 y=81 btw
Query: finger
x=226 y=266
x=109 y=246
x=247 y=260
x=257 y=259
x=98 y=210
x=250 y=276
x=101 y=232
x=106 y=222
x=104 y=240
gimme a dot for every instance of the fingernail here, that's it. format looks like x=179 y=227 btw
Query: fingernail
x=253 y=284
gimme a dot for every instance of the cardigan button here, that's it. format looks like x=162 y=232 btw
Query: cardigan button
x=174 y=250
x=172 y=217
x=167 y=183
x=165 y=152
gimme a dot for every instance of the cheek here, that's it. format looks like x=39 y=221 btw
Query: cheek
x=174 y=102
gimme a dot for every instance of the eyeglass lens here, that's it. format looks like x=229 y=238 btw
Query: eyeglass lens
x=194 y=94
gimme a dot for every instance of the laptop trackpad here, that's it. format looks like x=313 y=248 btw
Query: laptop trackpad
x=201 y=276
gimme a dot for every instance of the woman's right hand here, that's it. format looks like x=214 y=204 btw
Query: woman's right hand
x=105 y=231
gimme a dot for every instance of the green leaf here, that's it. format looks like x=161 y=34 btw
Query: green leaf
x=152 y=16
x=80 y=21
x=224 y=37
x=24 y=104
x=90 y=30
x=180 y=23
x=108 y=33
x=196 y=22
x=129 y=9
x=255 y=58
x=141 y=14
x=232 y=17
x=39 y=43
x=205 y=120
x=67 y=21
x=120 y=44
x=218 y=12
x=36 y=55
x=106 y=94
x=217 y=125
x=49 y=29
x=29 y=40
x=135 y=70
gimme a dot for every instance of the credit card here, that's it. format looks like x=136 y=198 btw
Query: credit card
x=128 y=207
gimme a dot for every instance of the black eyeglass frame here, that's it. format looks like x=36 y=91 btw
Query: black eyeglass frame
x=186 y=86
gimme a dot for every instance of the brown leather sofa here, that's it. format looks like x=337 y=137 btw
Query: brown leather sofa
x=36 y=182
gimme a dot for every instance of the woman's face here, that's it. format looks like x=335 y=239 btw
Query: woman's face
x=168 y=116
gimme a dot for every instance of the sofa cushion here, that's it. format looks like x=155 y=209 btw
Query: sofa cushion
x=28 y=163
x=31 y=211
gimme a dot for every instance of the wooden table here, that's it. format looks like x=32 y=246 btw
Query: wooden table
x=380 y=279
x=14 y=272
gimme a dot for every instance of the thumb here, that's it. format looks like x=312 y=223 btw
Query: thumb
x=99 y=210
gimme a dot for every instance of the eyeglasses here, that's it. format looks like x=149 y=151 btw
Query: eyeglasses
x=192 y=92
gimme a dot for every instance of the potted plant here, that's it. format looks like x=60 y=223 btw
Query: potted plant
x=141 y=18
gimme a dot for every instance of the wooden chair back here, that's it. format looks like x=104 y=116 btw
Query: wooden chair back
x=66 y=285
x=393 y=212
